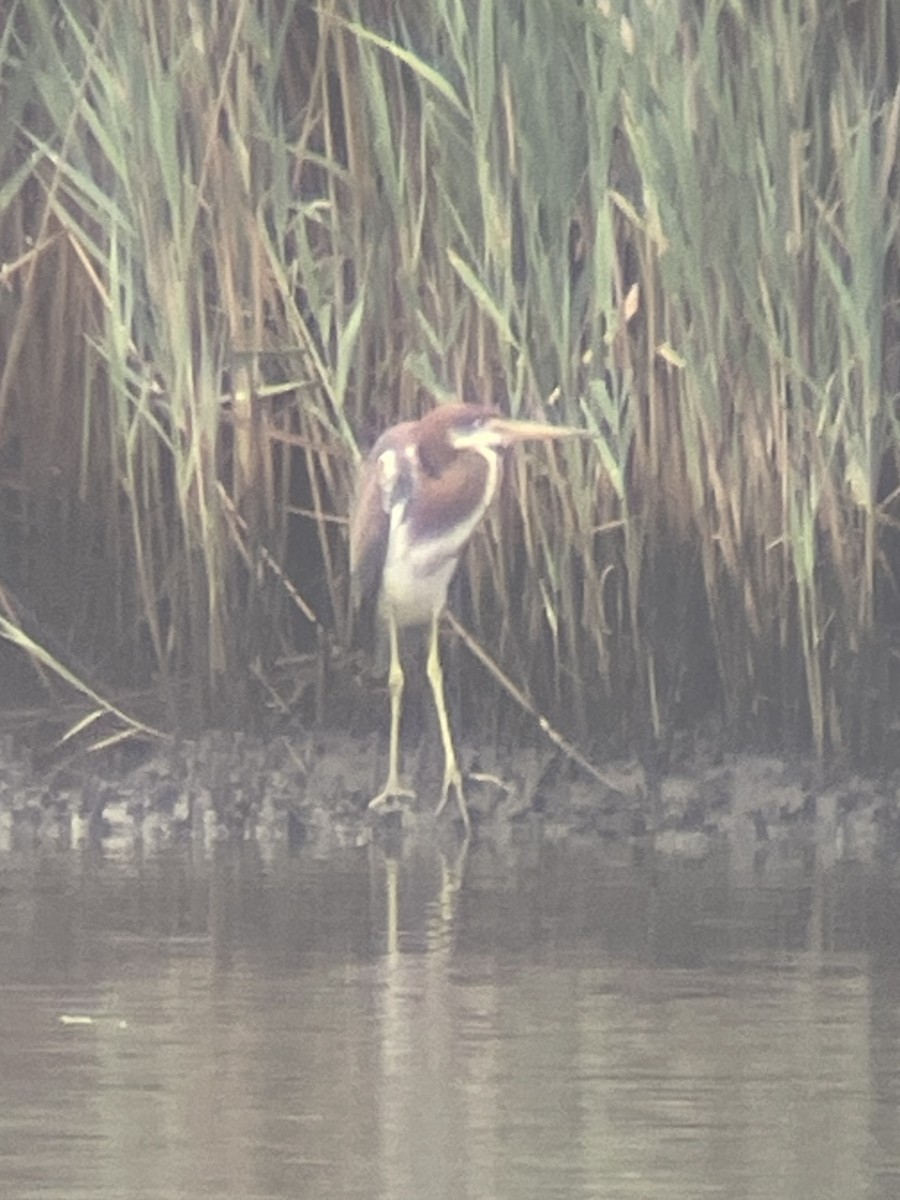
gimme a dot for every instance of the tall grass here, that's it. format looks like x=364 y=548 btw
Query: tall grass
x=241 y=238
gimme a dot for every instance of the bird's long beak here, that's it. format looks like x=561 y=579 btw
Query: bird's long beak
x=506 y=430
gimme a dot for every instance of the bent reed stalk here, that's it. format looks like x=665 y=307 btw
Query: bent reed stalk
x=238 y=238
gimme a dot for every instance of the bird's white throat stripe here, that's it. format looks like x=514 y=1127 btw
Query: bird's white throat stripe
x=416 y=572
x=395 y=471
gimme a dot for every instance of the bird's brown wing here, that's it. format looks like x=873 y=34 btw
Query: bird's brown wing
x=384 y=479
x=369 y=527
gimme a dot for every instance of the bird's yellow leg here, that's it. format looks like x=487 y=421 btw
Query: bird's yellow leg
x=452 y=775
x=393 y=787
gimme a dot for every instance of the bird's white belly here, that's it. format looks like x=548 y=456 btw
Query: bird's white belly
x=415 y=588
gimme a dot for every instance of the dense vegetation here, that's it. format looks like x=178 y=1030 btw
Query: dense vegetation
x=239 y=238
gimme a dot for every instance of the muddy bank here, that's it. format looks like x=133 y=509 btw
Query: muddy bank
x=302 y=790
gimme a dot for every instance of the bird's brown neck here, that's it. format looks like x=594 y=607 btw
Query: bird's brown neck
x=436 y=454
x=455 y=486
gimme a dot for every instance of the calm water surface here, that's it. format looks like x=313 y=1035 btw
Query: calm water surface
x=541 y=1021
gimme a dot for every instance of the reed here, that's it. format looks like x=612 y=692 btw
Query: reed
x=238 y=239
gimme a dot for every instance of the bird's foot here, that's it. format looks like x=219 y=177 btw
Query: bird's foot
x=453 y=782
x=392 y=790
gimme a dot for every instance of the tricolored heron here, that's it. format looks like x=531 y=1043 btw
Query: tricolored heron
x=422 y=491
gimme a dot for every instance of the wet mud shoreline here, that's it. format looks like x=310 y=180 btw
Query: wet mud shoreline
x=314 y=789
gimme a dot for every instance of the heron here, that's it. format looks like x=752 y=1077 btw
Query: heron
x=422 y=491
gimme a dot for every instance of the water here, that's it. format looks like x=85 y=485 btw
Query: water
x=541 y=1022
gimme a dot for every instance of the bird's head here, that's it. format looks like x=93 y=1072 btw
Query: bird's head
x=485 y=428
x=452 y=428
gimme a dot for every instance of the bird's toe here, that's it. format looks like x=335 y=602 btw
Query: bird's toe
x=393 y=790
